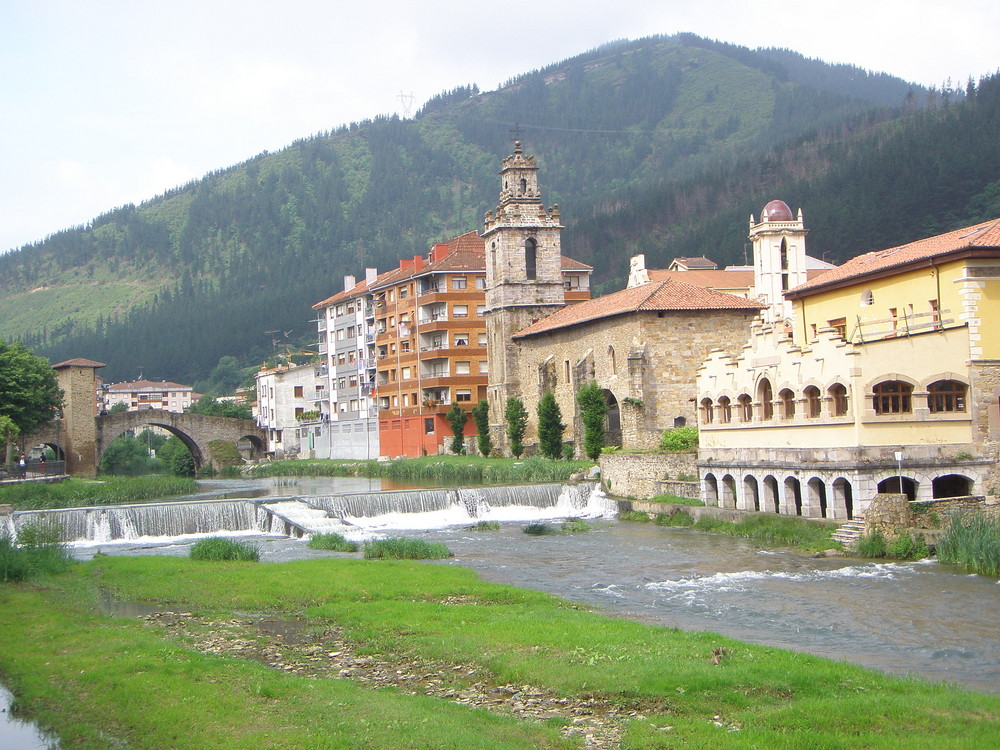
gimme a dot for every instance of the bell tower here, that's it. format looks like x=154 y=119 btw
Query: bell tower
x=523 y=275
x=779 y=258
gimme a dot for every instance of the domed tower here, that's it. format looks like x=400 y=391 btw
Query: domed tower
x=779 y=257
x=523 y=275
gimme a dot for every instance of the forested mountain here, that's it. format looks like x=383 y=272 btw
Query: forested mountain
x=663 y=145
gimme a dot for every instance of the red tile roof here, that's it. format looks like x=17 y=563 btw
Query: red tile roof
x=160 y=385
x=78 y=362
x=978 y=237
x=357 y=290
x=711 y=278
x=669 y=295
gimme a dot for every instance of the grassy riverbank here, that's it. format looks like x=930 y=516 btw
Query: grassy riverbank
x=444 y=469
x=440 y=636
x=78 y=493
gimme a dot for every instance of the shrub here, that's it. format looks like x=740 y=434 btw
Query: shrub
x=973 y=541
x=574 y=525
x=333 y=542
x=539 y=529
x=679 y=438
x=674 y=519
x=217 y=548
x=550 y=426
x=593 y=410
x=635 y=516
x=487 y=526
x=400 y=548
x=871 y=545
x=567 y=452
x=905 y=547
x=516 y=417
x=481 y=416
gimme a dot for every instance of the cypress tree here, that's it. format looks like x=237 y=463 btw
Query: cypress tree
x=517 y=423
x=550 y=426
x=593 y=410
x=481 y=416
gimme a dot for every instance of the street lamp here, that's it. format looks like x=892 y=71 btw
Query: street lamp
x=899 y=469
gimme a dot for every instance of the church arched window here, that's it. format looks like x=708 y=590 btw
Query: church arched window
x=530 y=258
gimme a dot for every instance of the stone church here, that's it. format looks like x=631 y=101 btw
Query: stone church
x=643 y=345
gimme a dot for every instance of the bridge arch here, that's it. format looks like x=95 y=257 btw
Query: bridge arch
x=196 y=431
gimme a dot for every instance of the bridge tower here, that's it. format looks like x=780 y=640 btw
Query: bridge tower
x=78 y=380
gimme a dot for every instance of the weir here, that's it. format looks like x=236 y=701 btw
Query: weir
x=350 y=513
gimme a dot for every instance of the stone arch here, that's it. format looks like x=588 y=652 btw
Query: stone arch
x=109 y=436
x=728 y=497
x=613 y=420
x=816 y=505
x=765 y=397
x=843 y=499
x=772 y=498
x=710 y=489
x=951 y=485
x=892 y=485
x=792 y=497
x=751 y=493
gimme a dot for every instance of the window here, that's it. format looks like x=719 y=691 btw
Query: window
x=463 y=395
x=893 y=397
x=530 y=258
x=838 y=393
x=787 y=403
x=813 y=403
x=461 y=339
x=484 y=367
x=462 y=368
x=745 y=408
x=766 y=397
x=353 y=381
x=404 y=346
x=460 y=311
x=725 y=409
x=840 y=326
x=458 y=282
x=406 y=399
x=706 y=410
x=406 y=373
x=428 y=425
x=480 y=310
x=480 y=282
x=482 y=339
x=403 y=292
x=299 y=411
x=867 y=298
x=352 y=332
x=946 y=395
x=935 y=313
x=297 y=391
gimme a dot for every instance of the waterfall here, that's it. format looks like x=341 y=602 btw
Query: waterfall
x=130 y=522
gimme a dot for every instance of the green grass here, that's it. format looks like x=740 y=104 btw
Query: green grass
x=443 y=469
x=680 y=518
x=538 y=528
x=38 y=552
x=400 y=548
x=634 y=516
x=76 y=493
x=106 y=682
x=486 y=526
x=333 y=542
x=973 y=541
x=574 y=525
x=217 y=548
x=903 y=547
x=675 y=500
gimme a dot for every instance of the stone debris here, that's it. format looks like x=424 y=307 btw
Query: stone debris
x=289 y=646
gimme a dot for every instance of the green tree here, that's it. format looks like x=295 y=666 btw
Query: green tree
x=593 y=410
x=456 y=417
x=29 y=394
x=127 y=455
x=9 y=431
x=210 y=407
x=481 y=416
x=516 y=417
x=176 y=457
x=550 y=426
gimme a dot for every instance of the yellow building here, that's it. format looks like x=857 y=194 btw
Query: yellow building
x=879 y=374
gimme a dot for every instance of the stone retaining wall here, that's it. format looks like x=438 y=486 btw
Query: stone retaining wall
x=643 y=475
x=677 y=488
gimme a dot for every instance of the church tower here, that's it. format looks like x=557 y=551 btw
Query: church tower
x=523 y=276
x=779 y=258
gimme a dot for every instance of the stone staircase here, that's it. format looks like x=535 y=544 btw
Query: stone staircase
x=850 y=532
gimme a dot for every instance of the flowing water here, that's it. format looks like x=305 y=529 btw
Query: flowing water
x=923 y=618
x=17 y=734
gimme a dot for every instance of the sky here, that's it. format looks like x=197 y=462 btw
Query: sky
x=106 y=102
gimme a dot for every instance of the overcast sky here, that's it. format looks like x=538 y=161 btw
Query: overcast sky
x=110 y=102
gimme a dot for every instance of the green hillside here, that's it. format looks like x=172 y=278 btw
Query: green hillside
x=662 y=145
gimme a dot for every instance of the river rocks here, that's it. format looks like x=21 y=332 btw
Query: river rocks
x=292 y=647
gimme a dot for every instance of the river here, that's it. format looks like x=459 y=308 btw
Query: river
x=921 y=618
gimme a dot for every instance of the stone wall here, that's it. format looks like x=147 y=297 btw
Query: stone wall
x=985 y=406
x=642 y=475
x=888 y=513
x=647 y=362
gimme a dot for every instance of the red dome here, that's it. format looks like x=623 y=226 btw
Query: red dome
x=777 y=211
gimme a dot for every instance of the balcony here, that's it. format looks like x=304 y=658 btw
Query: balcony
x=321 y=395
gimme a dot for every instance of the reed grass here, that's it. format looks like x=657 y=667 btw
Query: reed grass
x=539 y=528
x=441 y=469
x=681 y=518
x=973 y=541
x=486 y=526
x=575 y=525
x=38 y=552
x=76 y=493
x=333 y=542
x=401 y=548
x=217 y=549
x=634 y=516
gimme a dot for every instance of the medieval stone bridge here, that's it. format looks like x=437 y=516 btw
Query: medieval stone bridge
x=80 y=438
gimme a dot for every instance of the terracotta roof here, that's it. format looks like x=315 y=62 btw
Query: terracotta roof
x=669 y=295
x=135 y=385
x=984 y=236
x=701 y=263
x=713 y=279
x=78 y=362
x=357 y=290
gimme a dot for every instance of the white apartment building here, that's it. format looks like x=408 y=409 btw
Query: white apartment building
x=287 y=407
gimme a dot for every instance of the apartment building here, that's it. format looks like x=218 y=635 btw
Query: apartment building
x=139 y=395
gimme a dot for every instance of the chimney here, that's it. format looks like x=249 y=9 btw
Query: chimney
x=348 y=282
x=370 y=275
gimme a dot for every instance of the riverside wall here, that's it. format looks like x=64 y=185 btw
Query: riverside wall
x=645 y=475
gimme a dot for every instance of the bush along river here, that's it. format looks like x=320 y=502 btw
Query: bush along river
x=921 y=618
